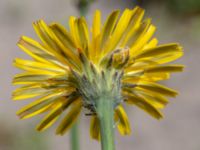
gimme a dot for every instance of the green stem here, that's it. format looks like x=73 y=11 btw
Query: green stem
x=83 y=7
x=74 y=137
x=105 y=112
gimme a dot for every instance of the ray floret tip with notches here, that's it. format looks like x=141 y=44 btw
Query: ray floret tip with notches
x=72 y=69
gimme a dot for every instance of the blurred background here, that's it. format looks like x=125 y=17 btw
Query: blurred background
x=176 y=21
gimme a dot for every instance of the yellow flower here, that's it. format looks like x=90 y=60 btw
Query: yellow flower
x=72 y=69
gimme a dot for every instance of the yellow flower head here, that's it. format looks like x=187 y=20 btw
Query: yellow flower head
x=71 y=69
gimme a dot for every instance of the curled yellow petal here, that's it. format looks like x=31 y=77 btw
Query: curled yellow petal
x=95 y=128
x=123 y=122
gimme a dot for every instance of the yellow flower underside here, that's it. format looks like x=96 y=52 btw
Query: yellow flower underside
x=48 y=76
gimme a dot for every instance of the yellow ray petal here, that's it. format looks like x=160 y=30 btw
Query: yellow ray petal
x=35 y=107
x=155 y=76
x=133 y=89
x=35 y=47
x=142 y=39
x=83 y=35
x=95 y=128
x=156 y=99
x=66 y=44
x=28 y=77
x=151 y=44
x=51 y=117
x=65 y=38
x=109 y=27
x=70 y=118
x=123 y=124
x=159 y=50
x=28 y=92
x=118 y=31
x=26 y=115
x=27 y=87
x=144 y=105
x=167 y=57
x=73 y=31
x=138 y=33
x=166 y=68
x=46 y=35
x=36 y=89
x=35 y=56
x=157 y=88
x=147 y=77
x=140 y=65
x=96 y=28
x=40 y=53
x=137 y=15
x=52 y=42
x=34 y=70
x=39 y=65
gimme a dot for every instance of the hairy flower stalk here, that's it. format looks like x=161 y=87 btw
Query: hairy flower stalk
x=75 y=137
x=105 y=115
x=119 y=62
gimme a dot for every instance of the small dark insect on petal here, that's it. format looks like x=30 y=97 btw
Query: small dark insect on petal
x=91 y=114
